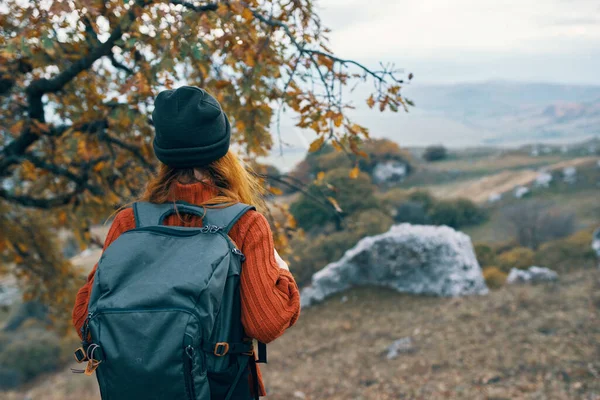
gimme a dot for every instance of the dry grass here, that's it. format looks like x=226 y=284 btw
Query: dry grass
x=523 y=342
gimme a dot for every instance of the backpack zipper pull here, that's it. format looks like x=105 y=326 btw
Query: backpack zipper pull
x=237 y=251
x=190 y=352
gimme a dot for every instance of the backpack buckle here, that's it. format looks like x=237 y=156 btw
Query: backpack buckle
x=221 y=349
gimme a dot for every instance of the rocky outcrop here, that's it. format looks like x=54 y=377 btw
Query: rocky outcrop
x=596 y=242
x=390 y=172
x=531 y=275
x=431 y=260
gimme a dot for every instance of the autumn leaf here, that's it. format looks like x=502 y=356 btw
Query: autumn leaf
x=317 y=144
x=354 y=172
x=276 y=191
x=371 y=101
x=292 y=224
x=337 y=120
x=16 y=128
x=247 y=14
x=99 y=167
x=335 y=204
x=320 y=176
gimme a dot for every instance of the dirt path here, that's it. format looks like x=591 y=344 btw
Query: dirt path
x=480 y=189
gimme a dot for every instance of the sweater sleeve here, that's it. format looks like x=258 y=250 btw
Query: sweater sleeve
x=270 y=296
x=121 y=223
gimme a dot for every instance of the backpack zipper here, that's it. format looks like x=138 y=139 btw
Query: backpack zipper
x=95 y=313
x=188 y=375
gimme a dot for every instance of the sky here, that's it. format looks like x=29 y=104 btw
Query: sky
x=449 y=41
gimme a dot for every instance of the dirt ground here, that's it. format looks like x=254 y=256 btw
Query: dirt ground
x=520 y=342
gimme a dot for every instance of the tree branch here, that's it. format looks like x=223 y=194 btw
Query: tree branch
x=193 y=7
x=48 y=203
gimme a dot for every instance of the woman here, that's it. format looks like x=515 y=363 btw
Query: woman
x=192 y=143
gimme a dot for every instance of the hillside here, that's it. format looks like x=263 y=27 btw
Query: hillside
x=520 y=342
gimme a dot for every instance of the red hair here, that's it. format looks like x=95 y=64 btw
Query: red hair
x=233 y=182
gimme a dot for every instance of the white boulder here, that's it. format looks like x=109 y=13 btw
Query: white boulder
x=521 y=191
x=570 y=174
x=543 y=179
x=418 y=259
x=531 y=275
x=494 y=197
x=596 y=242
x=390 y=171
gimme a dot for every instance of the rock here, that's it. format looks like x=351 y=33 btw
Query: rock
x=418 y=259
x=543 y=179
x=531 y=275
x=401 y=346
x=521 y=191
x=9 y=292
x=390 y=171
x=596 y=242
x=570 y=174
x=494 y=197
x=535 y=151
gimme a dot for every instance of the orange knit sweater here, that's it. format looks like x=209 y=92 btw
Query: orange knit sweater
x=270 y=296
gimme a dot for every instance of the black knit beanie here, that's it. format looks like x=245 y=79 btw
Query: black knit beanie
x=191 y=128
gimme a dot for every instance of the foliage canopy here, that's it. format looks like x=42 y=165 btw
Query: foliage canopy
x=77 y=81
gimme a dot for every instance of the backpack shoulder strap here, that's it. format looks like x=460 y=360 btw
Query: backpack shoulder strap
x=150 y=214
x=226 y=217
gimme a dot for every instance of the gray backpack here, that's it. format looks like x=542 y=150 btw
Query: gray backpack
x=165 y=314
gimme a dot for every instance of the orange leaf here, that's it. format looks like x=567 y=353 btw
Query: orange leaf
x=16 y=128
x=292 y=222
x=354 y=173
x=337 y=120
x=275 y=191
x=371 y=101
x=320 y=176
x=335 y=204
x=247 y=14
x=316 y=145
x=98 y=167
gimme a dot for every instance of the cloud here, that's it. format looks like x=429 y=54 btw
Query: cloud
x=462 y=29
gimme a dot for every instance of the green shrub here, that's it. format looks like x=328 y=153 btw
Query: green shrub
x=457 y=213
x=519 y=257
x=485 y=255
x=31 y=353
x=572 y=252
x=21 y=312
x=369 y=222
x=423 y=197
x=494 y=277
x=435 y=153
x=352 y=195
x=411 y=212
x=9 y=378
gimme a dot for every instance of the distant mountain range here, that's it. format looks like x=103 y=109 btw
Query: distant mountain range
x=510 y=112
x=495 y=113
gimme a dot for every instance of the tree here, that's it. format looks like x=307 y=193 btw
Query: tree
x=435 y=153
x=344 y=196
x=77 y=81
x=535 y=222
